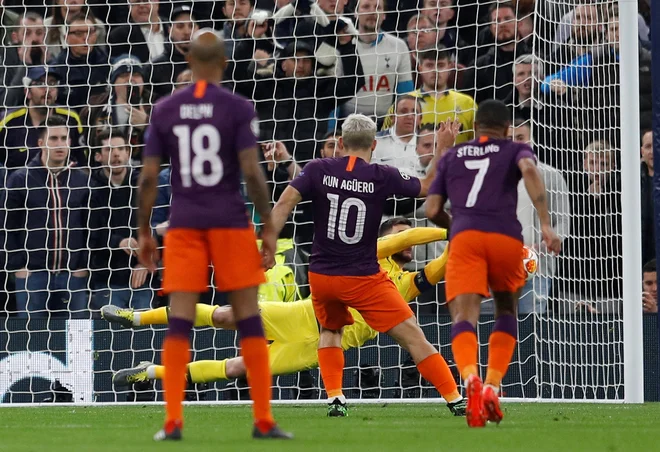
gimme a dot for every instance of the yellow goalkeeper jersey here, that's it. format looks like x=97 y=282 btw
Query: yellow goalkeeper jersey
x=280 y=280
x=448 y=105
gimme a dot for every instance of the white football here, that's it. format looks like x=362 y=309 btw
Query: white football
x=530 y=260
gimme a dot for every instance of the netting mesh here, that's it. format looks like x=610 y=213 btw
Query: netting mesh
x=70 y=214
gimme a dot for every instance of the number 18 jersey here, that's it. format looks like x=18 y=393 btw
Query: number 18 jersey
x=480 y=180
x=348 y=196
x=201 y=130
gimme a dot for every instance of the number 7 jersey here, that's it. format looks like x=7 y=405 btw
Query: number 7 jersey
x=480 y=180
x=348 y=196
x=201 y=130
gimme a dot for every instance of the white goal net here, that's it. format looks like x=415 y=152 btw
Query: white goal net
x=95 y=69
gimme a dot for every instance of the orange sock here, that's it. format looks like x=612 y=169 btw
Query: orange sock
x=176 y=355
x=464 y=346
x=500 y=350
x=331 y=365
x=255 y=354
x=434 y=369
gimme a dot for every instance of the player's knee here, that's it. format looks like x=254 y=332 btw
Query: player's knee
x=235 y=368
x=505 y=303
x=223 y=317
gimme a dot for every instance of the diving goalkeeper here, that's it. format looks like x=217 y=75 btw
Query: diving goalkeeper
x=292 y=327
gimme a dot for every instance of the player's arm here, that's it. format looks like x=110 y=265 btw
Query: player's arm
x=283 y=208
x=148 y=190
x=435 y=210
x=395 y=243
x=444 y=139
x=419 y=282
x=255 y=181
x=536 y=190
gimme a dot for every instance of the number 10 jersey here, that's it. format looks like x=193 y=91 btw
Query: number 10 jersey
x=348 y=196
x=201 y=130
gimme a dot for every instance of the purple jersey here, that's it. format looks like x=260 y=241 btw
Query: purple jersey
x=201 y=130
x=348 y=195
x=480 y=180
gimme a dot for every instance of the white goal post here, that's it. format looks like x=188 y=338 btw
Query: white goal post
x=568 y=69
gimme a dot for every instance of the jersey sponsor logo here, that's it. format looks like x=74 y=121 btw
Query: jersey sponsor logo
x=377 y=83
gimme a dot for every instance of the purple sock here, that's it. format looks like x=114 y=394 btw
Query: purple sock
x=179 y=327
x=250 y=327
x=507 y=324
x=461 y=327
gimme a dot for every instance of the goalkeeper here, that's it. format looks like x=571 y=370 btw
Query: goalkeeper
x=292 y=327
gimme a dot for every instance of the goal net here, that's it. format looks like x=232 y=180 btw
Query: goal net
x=69 y=234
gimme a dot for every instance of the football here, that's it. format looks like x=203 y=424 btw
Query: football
x=530 y=262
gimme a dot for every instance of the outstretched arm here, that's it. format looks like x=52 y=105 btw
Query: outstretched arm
x=395 y=243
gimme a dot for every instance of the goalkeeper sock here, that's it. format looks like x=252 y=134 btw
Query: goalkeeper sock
x=204 y=314
x=464 y=346
x=501 y=344
x=176 y=355
x=156 y=316
x=331 y=365
x=254 y=349
x=207 y=371
x=434 y=369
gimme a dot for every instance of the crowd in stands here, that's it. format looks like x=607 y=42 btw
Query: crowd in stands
x=78 y=80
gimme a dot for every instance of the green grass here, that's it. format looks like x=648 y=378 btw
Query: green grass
x=526 y=427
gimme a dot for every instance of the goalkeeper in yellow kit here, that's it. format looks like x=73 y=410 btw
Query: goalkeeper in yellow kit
x=292 y=327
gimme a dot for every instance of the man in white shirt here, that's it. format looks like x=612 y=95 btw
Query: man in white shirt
x=143 y=37
x=534 y=297
x=385 y=61
x=396 y=146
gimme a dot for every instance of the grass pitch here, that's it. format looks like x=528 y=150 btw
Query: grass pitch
x=526 y=427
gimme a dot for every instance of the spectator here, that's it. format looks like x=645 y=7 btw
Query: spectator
x=425 y=148
x=122 y=104
x=292 y=104
x=396 y=146
x=330 y=147
x=8 y=20
x=166 y=68
x=83 y=67
x=441 y=12
x=144 y=36
x=19 y=127
x=117 y=277
x=648 y=219
x=183 y=80
x=527 y=70
x=440 y=103
x=276 y=154
x=237 y=13
x=587 y=267
x=27 y=49
x=46 y=222
x=61 y=10
x=421 y=35
x=650 y=287
x=492 y=74
x=534 y=298
x=384 y=60
x=585 y=32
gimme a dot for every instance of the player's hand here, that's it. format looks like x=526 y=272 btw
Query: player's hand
x=129 y=245
x=138 y=276
x=551 y=239
x=148 y=255
x=446 y=135
x=268 y=246
x=649 y=303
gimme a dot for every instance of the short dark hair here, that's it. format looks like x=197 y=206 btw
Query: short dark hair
x=428 y=127
x=52 y=121
x=520 y=122
x=649 y=267
x=436 y=53
x=644 y=132
x=493 y=113
x=107 y=133
x=501 y=5
x=406 y=97
x=80 y=17
x=388 y=225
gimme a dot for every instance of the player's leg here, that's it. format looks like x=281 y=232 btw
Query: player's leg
x=235 y=251
x=506 y=279
x=185 y=277
x=332 y=315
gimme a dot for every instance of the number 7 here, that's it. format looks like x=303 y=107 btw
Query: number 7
x=482 y=167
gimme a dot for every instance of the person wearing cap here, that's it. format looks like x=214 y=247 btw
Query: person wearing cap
x=83 y=67
x=165 y=69
x=143 y=37
x=19 y=126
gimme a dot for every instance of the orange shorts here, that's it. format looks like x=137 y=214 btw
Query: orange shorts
x=375 y=297
x=480 y=262
x=233 y=253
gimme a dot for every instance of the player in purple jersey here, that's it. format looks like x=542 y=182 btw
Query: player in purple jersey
x=208 y=135
x=348 y=195
x=480 y=179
